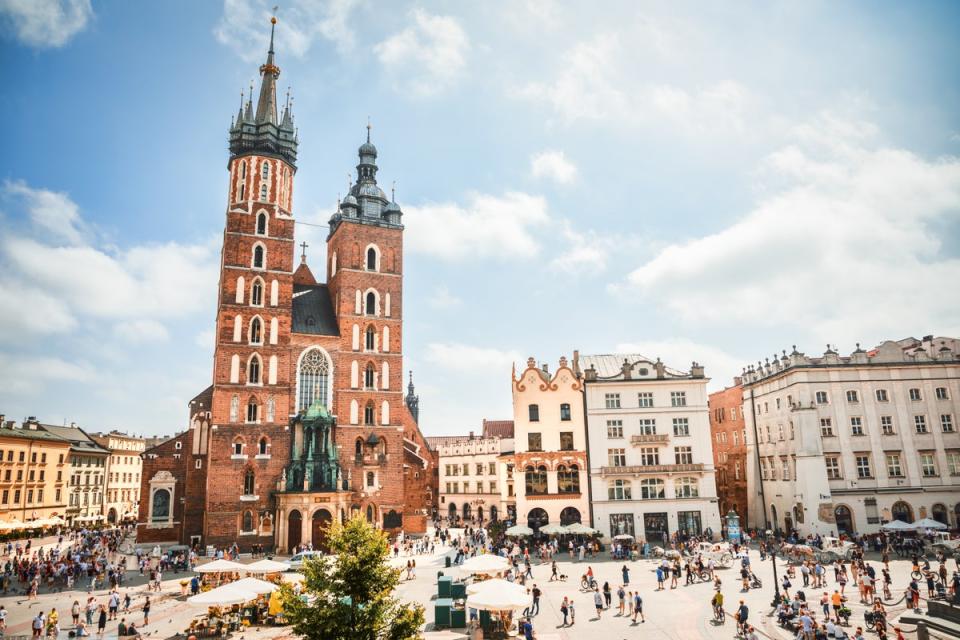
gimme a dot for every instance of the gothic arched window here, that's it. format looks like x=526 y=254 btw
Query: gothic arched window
x=248 y=483
x=258 y=256
x=371 y=339
x=262 y=447
x=247 y=521
x=256 y=331
x=264 y=170
x=369 y=376
x=314 y=379
x=253 y=410
x=262 y=224
x=256 y=293
x=161 y=506
x=368 y=417
x=358 y=449
x=263 y=192
x=371 y=303
x=253 y=370
x=371 y=259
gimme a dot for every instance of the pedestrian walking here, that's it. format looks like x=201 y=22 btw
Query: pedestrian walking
x=598 y=601
x=638 y=607
x=565 y=610
x=625 y=571
x=102 y=621
x=75 y=612
x=146 y=612
x=621 y=596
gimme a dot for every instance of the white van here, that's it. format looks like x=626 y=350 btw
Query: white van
x=296 y=562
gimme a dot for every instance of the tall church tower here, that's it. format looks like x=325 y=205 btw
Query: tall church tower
x=251 y=375
x=365 y=277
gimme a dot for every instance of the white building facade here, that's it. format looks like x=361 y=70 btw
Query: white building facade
x=848 y=443
x=651 y=456
x=550 y=459
x=124 y=465
x=472 y=476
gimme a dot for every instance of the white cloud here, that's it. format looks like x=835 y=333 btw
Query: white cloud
x=554 y=166
x=206 y=340
x=481 y=362
x=427 y=57
x=587 y=251
x=487 y=226
x=680 y=354
x=595 y=81
x=34 y=312
x=846 y=245
x=140 y=331
x=245 y=26
x=52 y=212
x=46 y=23
x=28 y=374
x=442 y=299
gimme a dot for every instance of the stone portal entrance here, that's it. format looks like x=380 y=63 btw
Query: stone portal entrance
x=294 y=530
x=320 y=526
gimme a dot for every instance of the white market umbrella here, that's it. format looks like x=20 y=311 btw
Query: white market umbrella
x=266 y=566
x=221 y=566
x=486 y=563
x=898 y=525
x=578 y=528
x=928 y=523
x=256 y=585
x=499 y=599
x=519 y=530
x=223 y=596
x=495 y=584
x=623 y=536
x=553 y=528
x=56 y=520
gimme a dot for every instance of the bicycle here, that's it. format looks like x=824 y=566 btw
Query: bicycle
x=588 y=583
x=923 y=575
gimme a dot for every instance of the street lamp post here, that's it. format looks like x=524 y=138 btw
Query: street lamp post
x=776 y=583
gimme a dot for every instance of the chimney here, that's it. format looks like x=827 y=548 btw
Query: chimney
x=737 y=381
x=471 y=435
x=590 y=375
x=696 y=371
x=576 y=362
x=31 y=423
x=660 y=368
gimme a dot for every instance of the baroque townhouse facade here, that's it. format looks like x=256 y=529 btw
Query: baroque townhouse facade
x=124 y=467
x=34 y=472
x=651 y=460
x=87 y=473
x=305 y=421
x=550 y=448
x=847 y=443
x=473 y=472
x=728 y=431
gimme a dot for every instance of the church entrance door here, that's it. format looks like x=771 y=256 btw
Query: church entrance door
x=321 y=524
x=294 y=530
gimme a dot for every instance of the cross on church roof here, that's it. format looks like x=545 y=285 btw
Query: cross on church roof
x=303 y=253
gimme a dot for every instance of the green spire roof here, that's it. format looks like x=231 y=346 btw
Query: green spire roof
x=317 y=410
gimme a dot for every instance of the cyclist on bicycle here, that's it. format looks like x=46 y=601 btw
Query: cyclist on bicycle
x=717 y=603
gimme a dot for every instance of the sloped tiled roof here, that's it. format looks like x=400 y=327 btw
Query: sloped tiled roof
x=498 y=428
x=313 y=311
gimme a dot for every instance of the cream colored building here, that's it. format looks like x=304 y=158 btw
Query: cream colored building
x=651 y=454
x=550 y=458
x=34 y=467
x=473 y=478
x=124 y=465
x=847 y=443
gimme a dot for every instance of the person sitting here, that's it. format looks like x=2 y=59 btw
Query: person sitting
x=122 y=627
x=81 y=629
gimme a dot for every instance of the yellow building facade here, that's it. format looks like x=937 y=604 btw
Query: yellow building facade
x=34 y=468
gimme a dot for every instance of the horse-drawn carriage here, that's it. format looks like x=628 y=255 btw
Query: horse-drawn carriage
x=720 y=552
x=834 y=549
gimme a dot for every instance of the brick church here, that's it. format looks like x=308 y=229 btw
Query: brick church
x=306 y=420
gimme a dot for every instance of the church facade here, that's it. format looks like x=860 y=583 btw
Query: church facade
x=306 y=420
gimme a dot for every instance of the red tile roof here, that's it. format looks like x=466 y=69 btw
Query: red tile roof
x=498 y=428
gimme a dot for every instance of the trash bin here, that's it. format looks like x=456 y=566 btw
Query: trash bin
x=448 y=563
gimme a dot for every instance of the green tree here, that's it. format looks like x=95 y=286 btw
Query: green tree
x=350 y=591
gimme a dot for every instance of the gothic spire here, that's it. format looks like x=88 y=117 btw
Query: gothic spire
x=267 y=103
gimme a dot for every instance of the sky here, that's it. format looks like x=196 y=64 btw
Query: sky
x=710 y=181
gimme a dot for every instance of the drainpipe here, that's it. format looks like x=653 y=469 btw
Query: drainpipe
x=756 y=448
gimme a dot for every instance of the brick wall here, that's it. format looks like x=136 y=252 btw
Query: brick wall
x=729 y=450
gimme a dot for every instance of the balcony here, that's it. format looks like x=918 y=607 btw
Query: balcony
x=651 y=469
x=652 y=438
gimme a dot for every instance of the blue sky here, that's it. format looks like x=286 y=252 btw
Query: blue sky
x=712 y=181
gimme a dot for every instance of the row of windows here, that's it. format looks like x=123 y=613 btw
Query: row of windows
x=648 y=427
x=285 y=183
x=568 y=479
x=721 y=437
x=653 y=489
x=240 y=447
x=22 y=457
x=88 y=498
x=887 y=427
x=124 y=495
x=31 y=476
x=720 y=413
x=649 y=456
x=533 y=412
x=645 y=399
x=454 y=487
x=85 y=461
x=17 y=494
x=454 y=469
x=853 y=397
x=535 y=441
x=124 y=477
x=894 y=465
